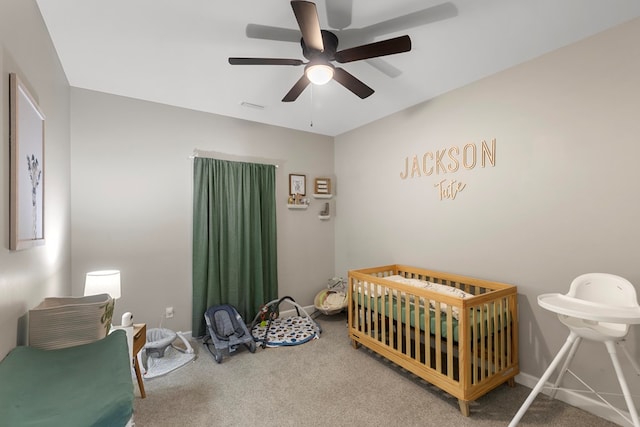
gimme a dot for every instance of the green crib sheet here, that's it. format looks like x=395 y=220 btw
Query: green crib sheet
x=392 y=304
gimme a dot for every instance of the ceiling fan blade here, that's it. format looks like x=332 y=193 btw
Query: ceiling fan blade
x=339 y=13
x=384 y=67
x=374 y=50
x=307 y=17
x=264 y=61
x=350 y=82
x=266 y=32
x=297 y=89
x=411 y=20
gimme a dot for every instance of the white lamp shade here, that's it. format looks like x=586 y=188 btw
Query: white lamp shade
x=103 y=282
x=319 y=74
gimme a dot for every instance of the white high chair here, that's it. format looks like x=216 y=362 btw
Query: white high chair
x=598 y=307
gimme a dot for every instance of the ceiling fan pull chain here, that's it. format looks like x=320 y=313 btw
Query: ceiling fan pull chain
x=311 y=108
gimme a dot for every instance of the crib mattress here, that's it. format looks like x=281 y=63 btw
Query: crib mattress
x=393 y=307
x=85 y=385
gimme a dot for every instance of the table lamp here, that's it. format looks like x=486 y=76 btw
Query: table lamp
x=103 y=282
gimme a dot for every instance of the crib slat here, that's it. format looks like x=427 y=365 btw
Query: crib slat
x=352 y=310
x=438 y=338
x=508 y=330
x=390 y=320
x=361 y=302
x=407 y=323
x=464 y=350
x=376 y=298
x=494 y=334
x=503 y=363
x=398 y=324
x=361 y=313
x=355 y=303
x=417 y=310
x=450 y=370
x=497 y=338
x=373 y=303
x=383 y=315
x=427 y=334
x=474 y=341
x=483 y=340
x=365 y=307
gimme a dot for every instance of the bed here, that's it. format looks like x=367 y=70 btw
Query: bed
x=84 y=385
x=455 y=332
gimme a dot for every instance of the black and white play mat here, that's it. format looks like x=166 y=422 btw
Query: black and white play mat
x=271 y=330
x=290 y=331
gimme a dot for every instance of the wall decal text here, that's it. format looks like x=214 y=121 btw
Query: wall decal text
x=448 y=161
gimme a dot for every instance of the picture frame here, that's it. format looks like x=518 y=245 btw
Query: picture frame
x=27 y=168
x=297 y=184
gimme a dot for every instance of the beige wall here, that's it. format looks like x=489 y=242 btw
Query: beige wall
x=563 y=198
x=28 y=276
x=132 y=199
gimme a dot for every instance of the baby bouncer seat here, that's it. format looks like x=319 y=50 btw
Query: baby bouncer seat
x=333 y=299
x=162 y=355
x=158 y=340
x=226 y=331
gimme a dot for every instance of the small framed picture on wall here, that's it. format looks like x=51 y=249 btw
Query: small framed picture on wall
x=297 y=184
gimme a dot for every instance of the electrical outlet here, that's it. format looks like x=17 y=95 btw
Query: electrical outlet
x=168 y=312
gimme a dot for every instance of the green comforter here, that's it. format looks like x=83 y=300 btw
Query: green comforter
x=83 y=386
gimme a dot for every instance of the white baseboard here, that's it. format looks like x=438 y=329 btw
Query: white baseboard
x=292 y=312
x=579 y=400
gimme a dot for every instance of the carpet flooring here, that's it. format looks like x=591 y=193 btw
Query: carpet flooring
x=326 y=382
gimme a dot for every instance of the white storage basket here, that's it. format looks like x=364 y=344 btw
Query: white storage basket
x=61 y=322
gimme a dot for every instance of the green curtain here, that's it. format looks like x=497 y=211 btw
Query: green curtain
x=234 y=237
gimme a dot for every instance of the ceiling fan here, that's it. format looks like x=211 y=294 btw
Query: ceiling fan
x=319 y=47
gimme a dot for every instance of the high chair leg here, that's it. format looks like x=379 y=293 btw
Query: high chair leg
x=565 y=366
x=633 y=362
x=611 y=347
x=552 y=367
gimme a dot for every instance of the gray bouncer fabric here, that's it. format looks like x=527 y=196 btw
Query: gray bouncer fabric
x=226 y=331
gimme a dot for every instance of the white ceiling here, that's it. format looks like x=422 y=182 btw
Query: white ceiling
x=175 y=52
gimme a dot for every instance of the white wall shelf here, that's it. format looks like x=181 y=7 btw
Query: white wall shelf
x=324 y=217
x=322 y=196
x=297 y=206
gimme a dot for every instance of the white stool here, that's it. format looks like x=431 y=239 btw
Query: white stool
x=598 y=307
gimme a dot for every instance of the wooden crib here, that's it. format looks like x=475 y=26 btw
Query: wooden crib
x=457 y=333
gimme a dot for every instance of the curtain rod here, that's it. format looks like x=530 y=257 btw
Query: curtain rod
x=231 y=157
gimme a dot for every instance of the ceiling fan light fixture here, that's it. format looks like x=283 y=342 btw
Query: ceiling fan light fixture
x=319 y=74
x=320 y=48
